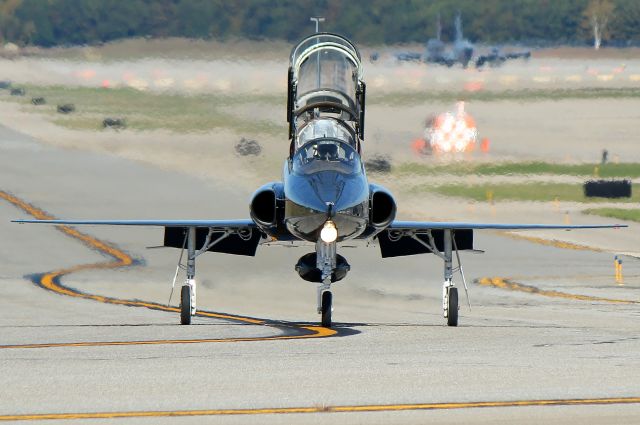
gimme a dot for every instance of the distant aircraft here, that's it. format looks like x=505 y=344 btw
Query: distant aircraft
x=325 y=198
x=460 y=52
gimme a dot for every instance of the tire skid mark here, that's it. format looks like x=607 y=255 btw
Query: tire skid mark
x=51 y=281
x=503 y=283
x=326 y=409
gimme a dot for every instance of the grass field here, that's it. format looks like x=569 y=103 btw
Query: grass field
x=542 y=192
x=521 y=95
x=629 y=170
x=149 y=111
x=146 y=110
x=619 y=213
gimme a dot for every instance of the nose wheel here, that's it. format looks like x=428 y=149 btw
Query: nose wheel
x=326 y=309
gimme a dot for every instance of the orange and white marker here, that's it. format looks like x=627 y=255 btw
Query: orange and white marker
x=452 y=133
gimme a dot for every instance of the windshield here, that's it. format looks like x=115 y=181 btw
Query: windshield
x=324 y=128
x=326 y=155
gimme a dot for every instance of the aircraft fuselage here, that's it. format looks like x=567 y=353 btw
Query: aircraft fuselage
x=312 y=199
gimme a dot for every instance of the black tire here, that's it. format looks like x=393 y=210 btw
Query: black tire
x=185 y=305
x=326 y=309
x=452 y=317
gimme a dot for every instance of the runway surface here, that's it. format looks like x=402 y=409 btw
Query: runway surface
x=86 y=332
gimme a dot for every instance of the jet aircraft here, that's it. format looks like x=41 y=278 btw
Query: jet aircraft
x=324 y=197
x=461 y=51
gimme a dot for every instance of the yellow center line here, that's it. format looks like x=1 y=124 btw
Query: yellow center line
x=550 y=242
x=499 y=282
x=326 y=409
x=51 y=282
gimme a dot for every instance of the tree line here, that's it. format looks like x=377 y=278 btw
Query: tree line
x=72 y=22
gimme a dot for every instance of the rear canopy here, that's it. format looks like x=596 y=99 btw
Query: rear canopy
x=326 y=68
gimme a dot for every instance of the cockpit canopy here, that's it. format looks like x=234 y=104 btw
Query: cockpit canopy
x=326 y=154
x=326 y=67
x=325 y=83
x=325 y=128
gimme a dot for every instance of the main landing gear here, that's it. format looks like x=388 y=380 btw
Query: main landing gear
x=449 y=291
x=450 y=305
x=188 y=290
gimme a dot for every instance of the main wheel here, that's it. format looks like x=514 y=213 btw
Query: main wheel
x=452 y=308
x=185 y=305
x=326 y=309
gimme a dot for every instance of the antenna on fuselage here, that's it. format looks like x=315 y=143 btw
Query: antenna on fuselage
x=317 y=20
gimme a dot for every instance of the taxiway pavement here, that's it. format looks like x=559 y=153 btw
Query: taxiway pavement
x=523 y=356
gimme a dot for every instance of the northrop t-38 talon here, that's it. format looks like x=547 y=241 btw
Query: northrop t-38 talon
x=325 y=197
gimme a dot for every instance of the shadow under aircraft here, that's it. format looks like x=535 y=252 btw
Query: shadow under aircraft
x=324 y=198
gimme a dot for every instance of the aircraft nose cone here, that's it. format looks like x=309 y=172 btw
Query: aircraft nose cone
x=311 y=197
x=328 y=188
x=315 y=191
x=333 y=188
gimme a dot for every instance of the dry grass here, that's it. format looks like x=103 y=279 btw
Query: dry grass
x=590 y=53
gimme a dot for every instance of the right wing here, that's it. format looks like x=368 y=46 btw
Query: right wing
x=217 y=224
x=238 y=237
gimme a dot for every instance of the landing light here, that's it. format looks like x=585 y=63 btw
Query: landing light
x=329 y=233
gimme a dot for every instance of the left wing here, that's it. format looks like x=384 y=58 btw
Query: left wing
x=402 y=238
x=452 y=225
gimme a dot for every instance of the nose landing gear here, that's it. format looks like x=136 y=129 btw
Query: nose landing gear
x=325 y=308
x=326 y=263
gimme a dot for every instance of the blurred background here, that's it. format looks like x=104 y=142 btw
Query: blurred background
x=508 y=106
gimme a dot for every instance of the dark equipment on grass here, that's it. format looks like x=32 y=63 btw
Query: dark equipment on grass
x=115 y=123
x=248 y=147
x=67 y=108
x=378 y=163
x=607 y=189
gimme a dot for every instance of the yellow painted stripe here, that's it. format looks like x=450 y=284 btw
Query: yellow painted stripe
x=502 y=283
x=314 y=332
x=326 y=409
x=551 y=242
x=51 y=280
